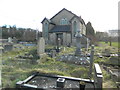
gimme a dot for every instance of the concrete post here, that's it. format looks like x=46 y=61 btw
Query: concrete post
x=91 y=60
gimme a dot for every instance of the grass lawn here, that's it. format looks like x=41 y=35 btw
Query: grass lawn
x=114 y=44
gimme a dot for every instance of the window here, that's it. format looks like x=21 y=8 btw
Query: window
x=63 y=21
x=75 y=27
x=46 y=30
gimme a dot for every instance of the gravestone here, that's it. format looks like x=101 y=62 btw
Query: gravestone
x=78 y=43
x=88 y=43
x=14 y=40
x=53 y=53
x=41 y=46
x=10 y=40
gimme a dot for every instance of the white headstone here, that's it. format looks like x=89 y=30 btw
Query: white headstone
x=10 y=39
x=41 y=46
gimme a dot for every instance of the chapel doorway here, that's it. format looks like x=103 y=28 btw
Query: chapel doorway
x=60 y=37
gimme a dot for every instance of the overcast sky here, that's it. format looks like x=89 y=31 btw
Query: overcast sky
x=103 y=14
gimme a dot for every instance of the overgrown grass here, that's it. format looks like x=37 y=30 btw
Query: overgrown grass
x=105 y=48
x=13 y=71
x=107 y=81
x=67 y=50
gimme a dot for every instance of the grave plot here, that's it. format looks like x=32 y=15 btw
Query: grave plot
x=75 y=59
x=28 y=57
x=46 y=81
x=78 y=57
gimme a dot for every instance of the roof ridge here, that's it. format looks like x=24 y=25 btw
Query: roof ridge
x=61 y=11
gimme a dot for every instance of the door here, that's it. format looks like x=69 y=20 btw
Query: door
x=60 y=37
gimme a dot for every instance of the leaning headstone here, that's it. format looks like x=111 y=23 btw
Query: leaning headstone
x=41 y=46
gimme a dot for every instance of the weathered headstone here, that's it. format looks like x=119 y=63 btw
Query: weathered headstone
x=88 y=43
x=78 y=43
x=53 y=53
x=41 y=46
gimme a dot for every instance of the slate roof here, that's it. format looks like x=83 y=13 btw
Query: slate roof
x=45 y=19
x=79 y=18
x=48 y=21
x=60 y=28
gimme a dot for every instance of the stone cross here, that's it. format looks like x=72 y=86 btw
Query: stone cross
x=78 y=43
x=41 y=46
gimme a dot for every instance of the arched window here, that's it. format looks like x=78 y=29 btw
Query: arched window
x=75 y=27
x=46 y=29
x=63 y=21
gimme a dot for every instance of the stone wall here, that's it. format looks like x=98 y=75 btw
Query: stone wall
x=74 y=41
x=84 y=29
x=66 y=38
x=51 y=26
x=52 y=37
